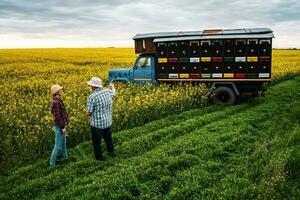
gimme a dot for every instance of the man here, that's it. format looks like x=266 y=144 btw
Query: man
x=99 y=109
x=60 y=116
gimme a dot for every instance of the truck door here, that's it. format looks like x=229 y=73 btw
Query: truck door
x=144 y=69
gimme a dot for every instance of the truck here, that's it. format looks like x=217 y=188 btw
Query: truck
x=233 y=62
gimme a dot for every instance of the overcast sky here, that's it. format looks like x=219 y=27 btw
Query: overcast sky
x=102 y=23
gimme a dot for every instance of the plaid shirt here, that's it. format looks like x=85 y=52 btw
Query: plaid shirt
x=100 y=105
x=59 y=113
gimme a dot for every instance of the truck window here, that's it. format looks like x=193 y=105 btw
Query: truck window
x=229 y=42
x=205 y=43
x=161 y=44
x=143 y=62
x=252 y=41
x=264 y=42
x=240 y=42
x=194 y=43
x=173 y=44
x=217 y=43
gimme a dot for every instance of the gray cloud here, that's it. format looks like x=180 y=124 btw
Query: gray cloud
x=120 y=20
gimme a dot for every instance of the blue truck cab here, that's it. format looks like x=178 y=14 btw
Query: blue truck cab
x=143 y=71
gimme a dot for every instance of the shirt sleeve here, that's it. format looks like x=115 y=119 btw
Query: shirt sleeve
x=90 y=105
x=57 y=114
x=55 y=110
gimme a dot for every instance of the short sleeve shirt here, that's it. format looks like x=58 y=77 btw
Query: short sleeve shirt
x=100 y=104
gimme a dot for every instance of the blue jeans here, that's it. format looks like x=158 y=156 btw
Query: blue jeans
x=59 y=146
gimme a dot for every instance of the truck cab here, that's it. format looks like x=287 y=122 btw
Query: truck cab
x=143 y=71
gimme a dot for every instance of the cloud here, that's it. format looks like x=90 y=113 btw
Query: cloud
x=102 y=20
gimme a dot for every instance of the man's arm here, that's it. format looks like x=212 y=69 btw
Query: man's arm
x=112 y=88
x=89 y=107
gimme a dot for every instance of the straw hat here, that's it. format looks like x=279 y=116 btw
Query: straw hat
x=96 y=82
x=56 y=88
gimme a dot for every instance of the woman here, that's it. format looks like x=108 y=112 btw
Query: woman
x=60 y=116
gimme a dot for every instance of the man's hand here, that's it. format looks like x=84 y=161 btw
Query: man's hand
x=111 y=86
x=88 y=114
x=64 y=130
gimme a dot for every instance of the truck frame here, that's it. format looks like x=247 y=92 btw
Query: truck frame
x=235 y=62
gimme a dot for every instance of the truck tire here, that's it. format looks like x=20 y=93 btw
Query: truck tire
x=224 y=95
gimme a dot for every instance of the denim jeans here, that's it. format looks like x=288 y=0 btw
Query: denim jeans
x=97 y=134
x=59 y=146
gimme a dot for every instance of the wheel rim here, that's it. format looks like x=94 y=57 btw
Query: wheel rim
x=223 y=97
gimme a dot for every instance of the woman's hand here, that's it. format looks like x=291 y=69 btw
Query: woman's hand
x=64 y=130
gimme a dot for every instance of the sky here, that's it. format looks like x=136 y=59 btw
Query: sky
x=113 y=23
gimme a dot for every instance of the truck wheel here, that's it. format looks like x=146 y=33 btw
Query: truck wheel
x=224 y=95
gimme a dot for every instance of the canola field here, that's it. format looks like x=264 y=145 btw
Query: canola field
x=188 y=150
x=27 y=74
x=26 y=78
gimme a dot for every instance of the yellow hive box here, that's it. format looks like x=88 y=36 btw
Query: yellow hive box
x=183 y=75
x=228 y=75
x=205 y=59
x=162 y=60
x=252 y=59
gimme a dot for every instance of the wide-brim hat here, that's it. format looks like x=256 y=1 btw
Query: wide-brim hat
x=96 y=82
x=56 y=88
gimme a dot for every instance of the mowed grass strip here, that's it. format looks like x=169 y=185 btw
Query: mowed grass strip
x=84 y=150
x=127 y=149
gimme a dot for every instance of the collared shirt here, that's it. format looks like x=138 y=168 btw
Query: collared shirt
x=59 y=112
x=100 y=105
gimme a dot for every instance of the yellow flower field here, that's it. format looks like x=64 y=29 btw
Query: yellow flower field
x=285 y=62
x=27 y=75
x=26 y=78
